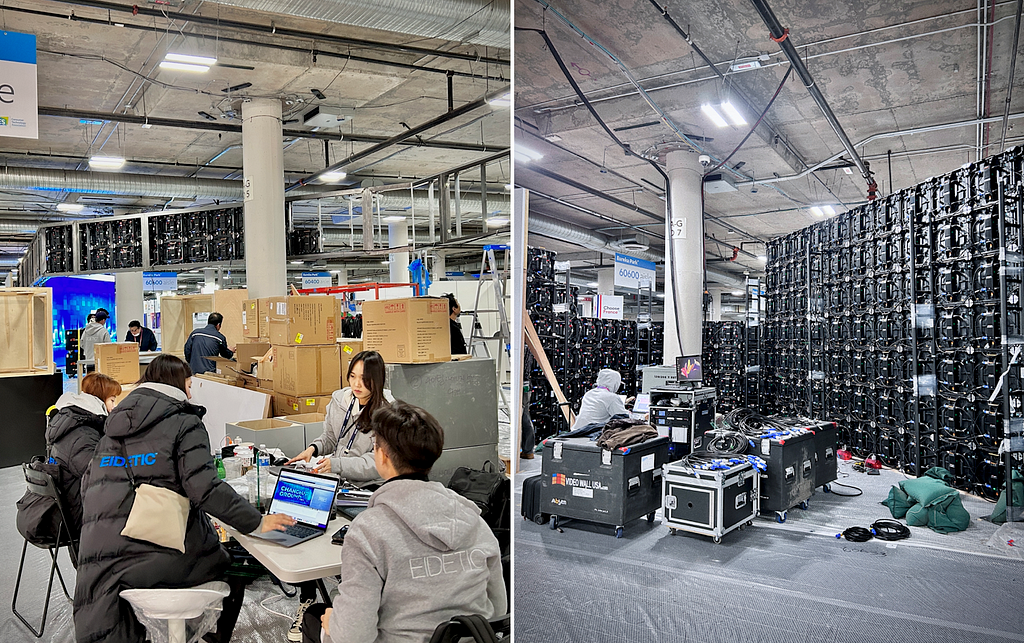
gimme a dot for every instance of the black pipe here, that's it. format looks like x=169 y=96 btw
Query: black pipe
x=593 y=191
x=1009 y=80
x=451 y=92
x=781 y=36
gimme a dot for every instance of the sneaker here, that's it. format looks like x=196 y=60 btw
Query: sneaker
x=295 y=633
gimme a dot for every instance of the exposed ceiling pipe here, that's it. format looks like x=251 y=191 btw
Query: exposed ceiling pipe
x=19 y=226
x=400 y=201
x=780 y=35
x=561 y=231
x=595 y=192
x=478 y=22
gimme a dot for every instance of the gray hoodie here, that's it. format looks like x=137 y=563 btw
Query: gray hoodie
x=601 y=403
x=357 y=465
x=419 y=555
x=93 y=333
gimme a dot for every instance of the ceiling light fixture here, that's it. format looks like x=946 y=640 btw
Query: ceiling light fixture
x=183 y=66
x=106 y=162
x=192 y=60
x=70 y=207
x=236 y=88
x=733 y=114
x=319 y=94
x=828 y=209
x=497 y=222
x=715 y=117
x=508 y=187
x=762 y=258
x=816 y=211
x=386 y=263
x=737 y=293
x=526 y=154
x=333 y=177
x=393 y=218
x=592 y=284
x=505 y=100
x=297 y=263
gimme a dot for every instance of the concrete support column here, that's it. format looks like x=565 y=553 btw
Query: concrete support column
x=127 y=301
x=366 y=203
x=440 y=268
x=684 y=259
x=716 y=305
x=266 y=270
x=398 y=262
x=606 y=281
x=343 y=276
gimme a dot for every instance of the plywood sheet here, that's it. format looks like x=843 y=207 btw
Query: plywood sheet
x=229 y=304
x=176 y=318
x=227 y=404
x=26 y=322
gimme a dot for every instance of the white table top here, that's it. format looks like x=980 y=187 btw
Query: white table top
x=311 y=560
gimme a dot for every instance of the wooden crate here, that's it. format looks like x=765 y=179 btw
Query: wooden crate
x=176 y=319
x=229 y=304
x=26 y=331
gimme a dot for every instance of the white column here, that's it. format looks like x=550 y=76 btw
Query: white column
x=606 y=281
x=440 y=267
x=684 y=258
x=266 y=270
x=398 y=264
x=343 y=276
x=716 y=305
x=127 y=301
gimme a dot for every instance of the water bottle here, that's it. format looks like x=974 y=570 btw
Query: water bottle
x=264 y=457
x=221 y=473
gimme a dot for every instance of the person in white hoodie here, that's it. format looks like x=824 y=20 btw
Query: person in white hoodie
x=601 y=403
x=418 y=555
x=95 y=332
x=346 y=445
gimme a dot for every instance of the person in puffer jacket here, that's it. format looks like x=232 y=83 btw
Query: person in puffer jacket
x=160 y=435
x=418 y=555
x=72 y=435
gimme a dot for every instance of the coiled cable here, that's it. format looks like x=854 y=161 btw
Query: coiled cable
x=886 y=529
x=856 y=534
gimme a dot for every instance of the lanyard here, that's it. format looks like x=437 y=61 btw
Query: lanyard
x=344 y=426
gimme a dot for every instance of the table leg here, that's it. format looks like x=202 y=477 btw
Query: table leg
x=323 y=590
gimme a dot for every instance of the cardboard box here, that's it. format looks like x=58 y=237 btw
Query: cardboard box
x=313 y=425
x=307 y=370
x=288 y=436
x=125 y=390
x=229 y=304
x=119 y=360
x=254 y=318
x=408 y=331
x=293 y=405
x=247 y=354
x=26 y=331
x=349 y=349
x=302 y=321
x=177 y=313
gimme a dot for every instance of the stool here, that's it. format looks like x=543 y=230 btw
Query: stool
x=167 y=610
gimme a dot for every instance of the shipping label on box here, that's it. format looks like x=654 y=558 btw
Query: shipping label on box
x=293 y=405
x=307 y=370
x=349 y=349
x=301 y=321
x=408 y=331
x=119 y=360
x=254 y=317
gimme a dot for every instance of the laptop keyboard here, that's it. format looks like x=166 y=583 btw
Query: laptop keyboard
x=300 y=531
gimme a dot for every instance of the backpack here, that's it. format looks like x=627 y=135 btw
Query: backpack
x=491 y=491
x=39 y=518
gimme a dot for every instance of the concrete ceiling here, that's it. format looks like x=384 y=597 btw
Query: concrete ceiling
x=884 y=68
x=98 y=64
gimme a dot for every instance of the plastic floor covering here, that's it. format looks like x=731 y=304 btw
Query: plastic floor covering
x=790 y=582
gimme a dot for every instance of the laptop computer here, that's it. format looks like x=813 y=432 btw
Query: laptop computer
x=306 y=497
x=642 y=404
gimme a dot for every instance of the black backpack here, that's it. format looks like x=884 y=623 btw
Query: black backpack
x=488 y=489
x=39 y=517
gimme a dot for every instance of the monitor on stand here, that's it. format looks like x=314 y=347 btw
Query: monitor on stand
x=689 y=372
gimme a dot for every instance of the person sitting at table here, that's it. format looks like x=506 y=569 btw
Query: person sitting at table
x=418 y=555
x=155 y=436
x=347 y=442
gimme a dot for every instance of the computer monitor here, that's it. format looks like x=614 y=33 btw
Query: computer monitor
x=688 y=369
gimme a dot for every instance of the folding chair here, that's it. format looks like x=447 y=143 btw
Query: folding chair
x=42 y=483
x=474 y=628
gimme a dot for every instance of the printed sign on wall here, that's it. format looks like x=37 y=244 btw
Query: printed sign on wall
x=159 y=281
x=19 y=113
x=630 y=271
x=316 y=280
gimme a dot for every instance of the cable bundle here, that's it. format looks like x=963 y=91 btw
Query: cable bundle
x=886 y=529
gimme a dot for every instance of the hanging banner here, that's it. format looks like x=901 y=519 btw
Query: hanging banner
x=316 y=280
x=630 y=272
x=159 y=281
x=19 y=109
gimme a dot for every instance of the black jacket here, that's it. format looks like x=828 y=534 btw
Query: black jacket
x=203 y=343
x=72 y=434
x=167 y=446
x=458 y=340
x=146 y=339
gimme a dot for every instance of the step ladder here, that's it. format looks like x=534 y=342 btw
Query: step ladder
x=489 y=272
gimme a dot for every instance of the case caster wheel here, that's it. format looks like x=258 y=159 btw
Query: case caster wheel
x=671 y=531
x=750 y=523
x=553 y=522
x=618 y=532
x=743 y=526
x=650 y=517
x=827 y=488
x=717 y=540
x=804 y=505
x=539 y=519
x=780 y=517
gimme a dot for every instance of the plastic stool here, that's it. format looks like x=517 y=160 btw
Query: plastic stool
x=165 y=612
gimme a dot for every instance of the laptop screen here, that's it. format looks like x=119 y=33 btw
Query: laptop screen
x=305 y=497
x=642 y=403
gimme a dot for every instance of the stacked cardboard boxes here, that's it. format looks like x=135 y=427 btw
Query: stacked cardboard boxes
x=307 y=357
x=408 y=331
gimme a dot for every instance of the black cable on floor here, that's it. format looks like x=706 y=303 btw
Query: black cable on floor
x=859 y=491
x=857 y=535
x=886 y=529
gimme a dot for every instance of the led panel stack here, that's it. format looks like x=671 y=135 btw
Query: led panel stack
x=59 y=251
x=724 y=363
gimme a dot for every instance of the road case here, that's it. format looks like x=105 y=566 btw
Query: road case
x=710 y=503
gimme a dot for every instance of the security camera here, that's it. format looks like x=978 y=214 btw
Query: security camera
x=704 y=159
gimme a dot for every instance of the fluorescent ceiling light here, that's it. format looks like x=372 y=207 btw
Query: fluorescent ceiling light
x=505 y=100
x=386 y=263
x=508 y=187
x=816 y=211
x=592 y=284
x=70 y=207
x=497 y=222
x=527 y=154
x=332 y=177
x=393 y=218
x=335 y=272
x=106 y=162
x=762 y=258
x=733 y=114
x=715 y=117
x=195 y=60
x=296 y=263
x=737 y=293
x=828 y=209
x=183 y=66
